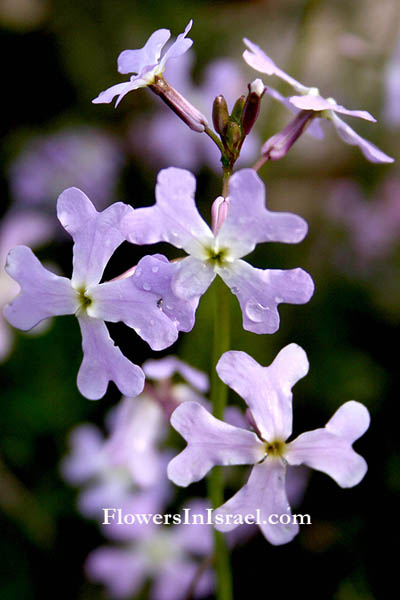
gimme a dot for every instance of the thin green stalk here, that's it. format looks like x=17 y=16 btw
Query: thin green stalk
x=214 y=138
x=219 y=394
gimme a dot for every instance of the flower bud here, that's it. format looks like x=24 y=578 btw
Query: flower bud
x=233 y=135
x=219 y=212
x=237 y=111
x=252 y=107
x=220 y=115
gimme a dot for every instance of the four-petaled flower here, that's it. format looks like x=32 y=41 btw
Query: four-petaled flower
x=175 y=219
x=96 y=236
x=267 y=392
x=309 y=99
x=146 y=63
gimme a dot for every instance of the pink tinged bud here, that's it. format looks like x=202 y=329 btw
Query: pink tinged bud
x=279 y=144
x=220 y=115
x=181 y=107
x=219 y=212
x=252 y=107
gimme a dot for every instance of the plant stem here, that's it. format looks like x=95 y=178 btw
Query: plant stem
x=219 y=394
x=214 y=138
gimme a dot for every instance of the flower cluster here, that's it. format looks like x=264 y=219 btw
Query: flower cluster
x=158 y=299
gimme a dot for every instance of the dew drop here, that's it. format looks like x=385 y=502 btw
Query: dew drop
x=278 y=299
x=151 y=322
x=174 y=234
x=169 y=307
x=235 y=290
x=147 y=287
x=155 y=269
x=256 y=311
x=138 y=272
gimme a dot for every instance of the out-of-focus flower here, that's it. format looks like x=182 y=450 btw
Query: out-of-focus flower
x=309 y=99
x=162 y=139
x=267 y=392
x=84 y=157
x=146 y=63
x=169 y=556
x=16 y=228
x=96 y=236
x=175 y=219
x=373 y=224
x=392 y=87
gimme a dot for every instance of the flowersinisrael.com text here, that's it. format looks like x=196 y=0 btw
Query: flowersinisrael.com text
x=189 y=517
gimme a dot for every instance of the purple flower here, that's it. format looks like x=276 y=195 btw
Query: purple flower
x=17 y=228
x=147 y=63
x=175 y=219
x=309 y=99
x=168 y=555
x=85 y=157
x=267 y=392
x=96 y=236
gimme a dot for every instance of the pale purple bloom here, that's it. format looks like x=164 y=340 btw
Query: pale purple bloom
x=165 y=368
x=392 y=87
x=161 y=138
x=267 y=392
x=169 y=556
x=96 y=236
x=85 y=157
x=146 y=63
x=309 y=99
x=17 y=228
x=373 y=223
x=175 y=219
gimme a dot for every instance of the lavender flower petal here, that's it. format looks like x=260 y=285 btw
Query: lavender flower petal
x=260 y=291
x=133 y=61
x=85 y=459
x=266 y=390
x=164 y=368
x=317 y=103
x=122 y=571
x=179 y=47
x=120 y=90
x=174 y=218
x=249 y=222
x=314 y=129
x=96 y=235
x=329 y=449
x=121 y=300
x=192 y=278
x=265 y=490
x=370 y=151
x=43 y=294
x=157 y=274
x=174 y=579
x=104 y=362
x=210 y=442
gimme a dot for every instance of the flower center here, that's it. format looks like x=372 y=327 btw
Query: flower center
x=84 y=300
x=275 y=448
x=217 y=257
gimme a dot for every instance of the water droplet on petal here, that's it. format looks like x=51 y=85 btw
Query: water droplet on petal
x=174 y=234
x=155 y=269
x=278 y=299
x=234 y=289
x=169 y=307
x=147 y=287
x=138 y=272
x=151 y=322
x=256 y=311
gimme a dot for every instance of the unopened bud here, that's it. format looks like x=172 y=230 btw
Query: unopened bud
x=220 y=115
x=237 y=110
x=280 y=143
x=252 y=106
x=233 y=134
x=219 y=212
x=181 y=107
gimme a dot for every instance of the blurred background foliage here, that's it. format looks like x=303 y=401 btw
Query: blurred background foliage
x=57 y=56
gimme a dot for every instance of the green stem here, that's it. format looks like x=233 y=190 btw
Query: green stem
x=215 y=139
x=219 y=394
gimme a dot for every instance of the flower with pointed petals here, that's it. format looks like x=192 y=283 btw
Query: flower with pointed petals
x=267 y=392
x=309 y=99
x=146 y=63
x=175 y=219
x=43 y=294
